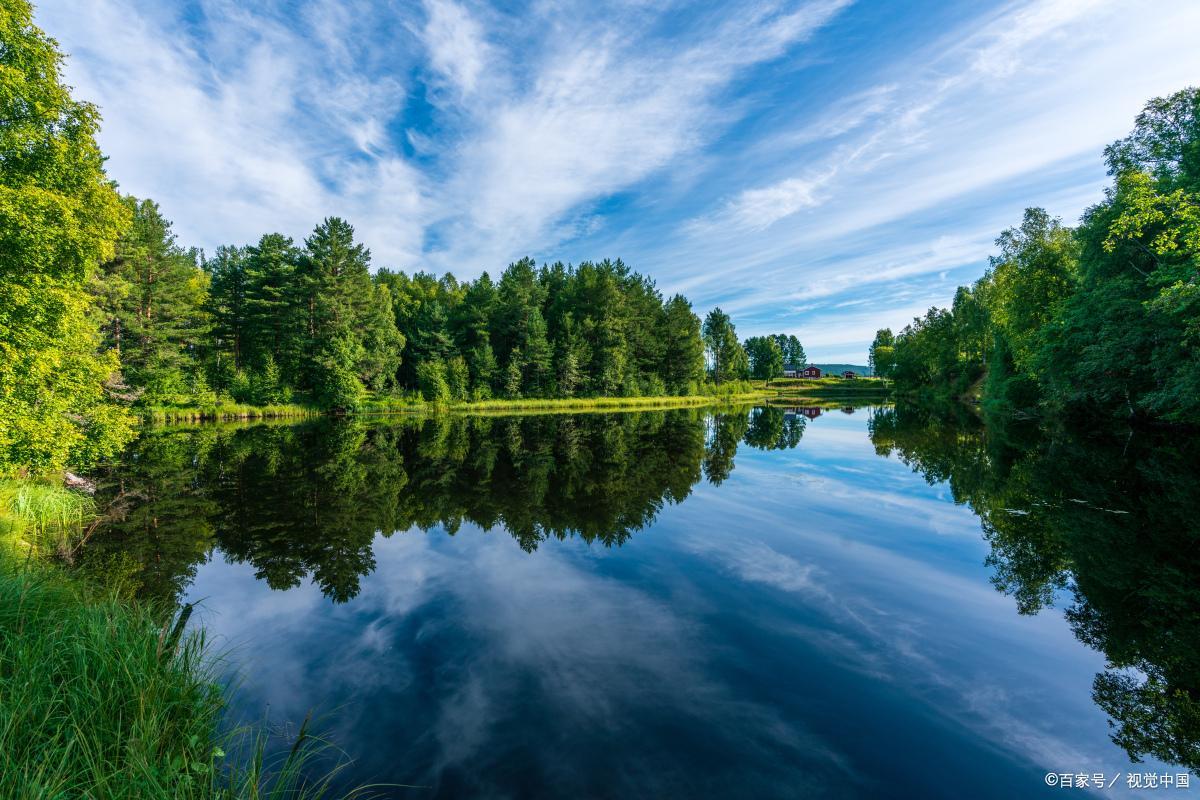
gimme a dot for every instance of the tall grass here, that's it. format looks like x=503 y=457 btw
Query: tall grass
x=106 y=699
x=39 y=516
x=225 y=411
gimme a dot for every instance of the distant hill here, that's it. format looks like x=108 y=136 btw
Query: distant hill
x=838 y=369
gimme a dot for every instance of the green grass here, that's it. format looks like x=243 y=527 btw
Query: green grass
x=738 y=391
x=583 y=404
x=829 y=387
x=103 y=698
x=225 y=411
x=106 y=698
x=40 y=516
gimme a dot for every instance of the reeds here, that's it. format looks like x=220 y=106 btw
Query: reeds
x=225 y=412
x=105 y=699
x=41 y=516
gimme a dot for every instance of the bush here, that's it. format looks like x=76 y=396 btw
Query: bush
x=458 y=378
x=431 y=380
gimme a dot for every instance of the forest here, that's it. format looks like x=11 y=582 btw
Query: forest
x=1098 y=320
x=105 y=315
x=267 y=322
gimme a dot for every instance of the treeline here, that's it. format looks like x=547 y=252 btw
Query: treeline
x=268 y=322
x=1102 y=319
x=102 y=308
x=275 y=321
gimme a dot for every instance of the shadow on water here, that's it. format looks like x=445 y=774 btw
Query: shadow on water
x=305 y=501
x=1104 y=522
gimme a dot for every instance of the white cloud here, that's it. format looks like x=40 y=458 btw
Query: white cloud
x=248 y=134
x=243 y=120
x=604 y=110
x=1009 y=111
x=456 y=44
x=759 y=208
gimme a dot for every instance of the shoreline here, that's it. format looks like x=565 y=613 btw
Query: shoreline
x=780 y=390
x=239 y=412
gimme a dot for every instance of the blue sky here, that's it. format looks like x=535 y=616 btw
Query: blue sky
x=822 y=168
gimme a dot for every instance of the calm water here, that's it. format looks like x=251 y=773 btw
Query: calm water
x=765 y=603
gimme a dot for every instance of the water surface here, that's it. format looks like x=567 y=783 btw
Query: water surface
x=770 y=602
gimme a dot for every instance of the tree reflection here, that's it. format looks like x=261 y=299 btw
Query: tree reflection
x=1109 y=517
x=306 y=501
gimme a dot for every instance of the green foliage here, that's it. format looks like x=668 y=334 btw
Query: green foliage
x=882 y=355
x=334 y=383
x=683 y=348
x=793 y=351
x=152 y=299
x=1102 y=320
x=458 y=378
x=727 y=360
x=431 y=380
x=766 y=357
x=1108 y=521
x=125 y=703
x=59 y=216
x=40 y=517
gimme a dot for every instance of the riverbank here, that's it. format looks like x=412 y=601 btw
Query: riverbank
x=227 y=412
x=108 y=697
x=802 y=389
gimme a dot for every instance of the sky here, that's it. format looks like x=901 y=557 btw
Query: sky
x=823 y=167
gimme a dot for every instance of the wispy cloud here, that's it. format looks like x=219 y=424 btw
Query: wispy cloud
x=766 y=155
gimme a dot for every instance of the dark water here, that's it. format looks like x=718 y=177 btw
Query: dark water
x=762 y=603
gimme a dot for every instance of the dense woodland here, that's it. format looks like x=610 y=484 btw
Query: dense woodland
x=275 y=320
x=103 y=311
x=1102 y=319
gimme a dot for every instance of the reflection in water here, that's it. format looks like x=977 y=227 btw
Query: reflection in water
x=307 y=500
x=1109 y=517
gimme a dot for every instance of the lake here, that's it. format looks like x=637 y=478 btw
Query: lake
x=755 y=602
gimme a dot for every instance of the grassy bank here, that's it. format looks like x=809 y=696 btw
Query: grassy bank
x=104 y=697
x=739 y=392
x=225 y=412
x=572 y=404
x=37 y=517
x=864 y=388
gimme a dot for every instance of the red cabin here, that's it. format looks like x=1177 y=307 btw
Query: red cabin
x=849 y=374
x=810 y=372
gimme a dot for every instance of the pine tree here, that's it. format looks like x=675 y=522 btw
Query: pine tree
x=160 y=320
x=683 y=350
x=227 y=305
x=274 y=308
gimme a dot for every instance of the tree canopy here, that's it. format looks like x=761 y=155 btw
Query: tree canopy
x=1102 y=319
x=59 y=217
